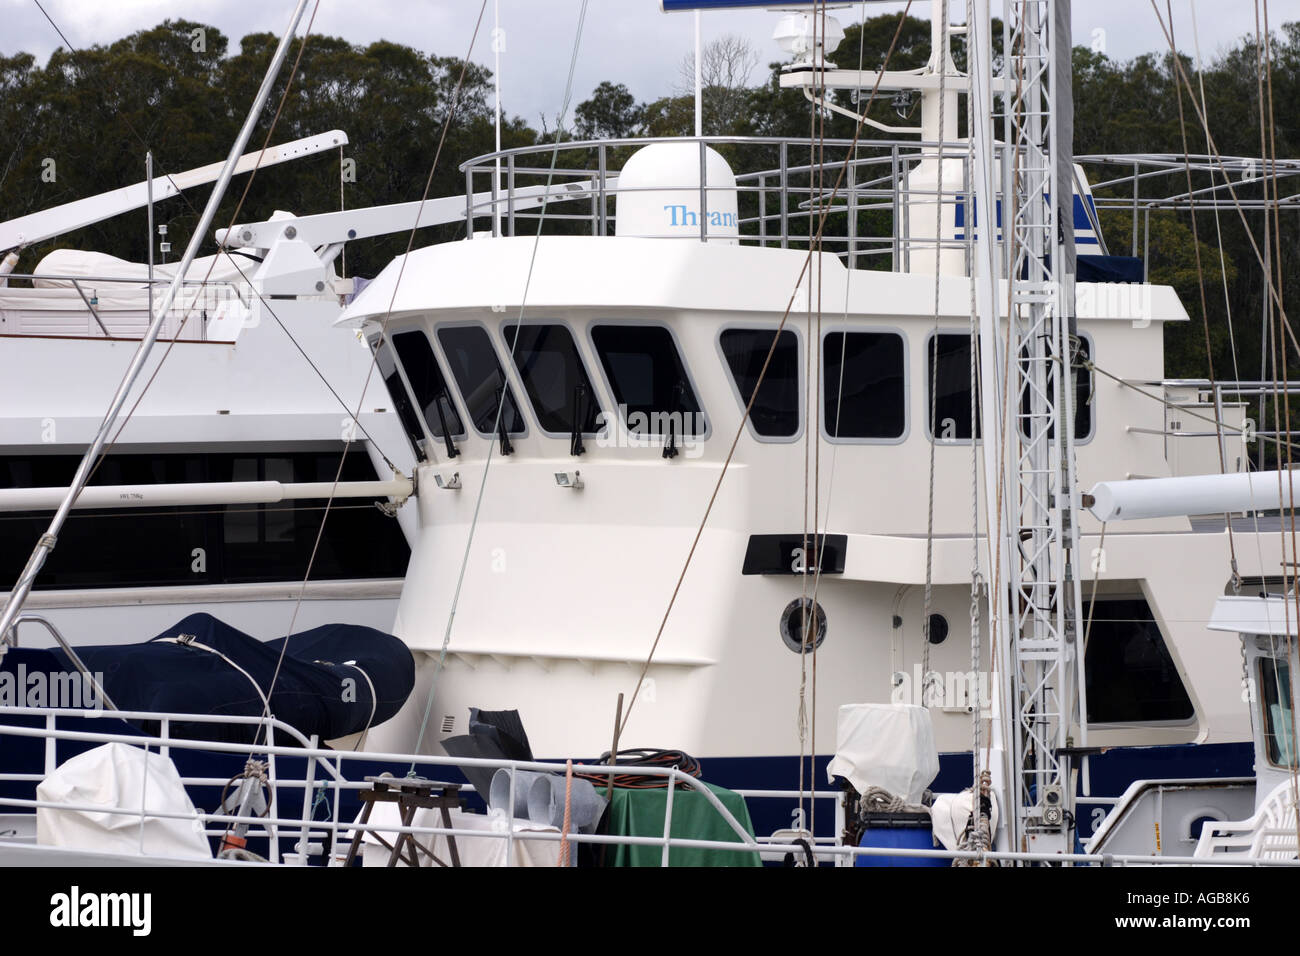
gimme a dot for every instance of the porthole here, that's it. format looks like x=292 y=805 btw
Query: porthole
x=937 y=633
x=793 y=618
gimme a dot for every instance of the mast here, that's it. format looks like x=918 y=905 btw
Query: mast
x=1039 y=657
x=49 y=539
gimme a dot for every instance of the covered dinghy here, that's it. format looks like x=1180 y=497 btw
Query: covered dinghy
x=334 y=680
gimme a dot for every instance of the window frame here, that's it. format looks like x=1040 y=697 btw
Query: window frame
x=443 y=369
x=1270 y=739
x=652 y=438
x=743 y=400
x=596 y=395
x=852 y=328
x=1190 y=721
x=1092 y=406
x=925 y=357
x=506 y=374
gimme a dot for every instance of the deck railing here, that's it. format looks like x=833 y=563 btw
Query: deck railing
x=325 y=769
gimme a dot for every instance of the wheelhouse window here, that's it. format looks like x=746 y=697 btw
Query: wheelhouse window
x=406 y=412
x=948 y=370
x=554 y=377
x=479 y=376
x=1083 y=383
x=864 y=385
x=649 y=380
x=428 y=383
x=775 y=413
x=1128 y=671
x=216 y=544
x=1279 y=721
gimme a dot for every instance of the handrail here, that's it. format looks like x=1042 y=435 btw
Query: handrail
x=333 y=761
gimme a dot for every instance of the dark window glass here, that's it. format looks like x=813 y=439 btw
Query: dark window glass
x=862 y=385
x=776 y=409
x=427 y=382
x=219 y=544
x=406 y=412
x=477 y=372
x=948 y=370
x=1279 y=722
x=1082 y=395
x=1129 y=674
x=552 y=373
x=648 y=379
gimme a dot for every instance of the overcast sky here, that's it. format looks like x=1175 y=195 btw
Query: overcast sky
x=626 y=41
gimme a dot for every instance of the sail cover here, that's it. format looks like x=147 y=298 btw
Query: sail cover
x=334 y=680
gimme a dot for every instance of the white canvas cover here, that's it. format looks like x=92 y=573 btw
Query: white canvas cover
x=119 y=776
x=950 y=813
x=885 y=745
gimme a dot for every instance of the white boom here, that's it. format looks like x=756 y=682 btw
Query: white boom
x=1192 y=495
x=201 y=493
x=39 y=226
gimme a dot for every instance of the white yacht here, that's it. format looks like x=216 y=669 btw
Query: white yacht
x=598 y=382
x=251 y=383
x=778 y=437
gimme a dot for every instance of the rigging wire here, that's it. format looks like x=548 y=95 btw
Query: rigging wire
x=505 y=388
x=374 y=355
x=803 y=272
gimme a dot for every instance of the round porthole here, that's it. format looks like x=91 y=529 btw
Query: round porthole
x=938 y=631
x=802 y=614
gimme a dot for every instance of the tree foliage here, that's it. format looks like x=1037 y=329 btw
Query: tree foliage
x=94 y=112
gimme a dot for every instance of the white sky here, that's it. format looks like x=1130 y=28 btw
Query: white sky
x=626 y=41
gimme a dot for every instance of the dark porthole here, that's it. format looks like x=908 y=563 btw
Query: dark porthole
x=937 y=633
x=803 y=625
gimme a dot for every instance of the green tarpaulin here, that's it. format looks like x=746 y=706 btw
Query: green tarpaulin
x=641 y=813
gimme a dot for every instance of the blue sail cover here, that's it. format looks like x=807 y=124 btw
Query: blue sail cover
x=321 y=688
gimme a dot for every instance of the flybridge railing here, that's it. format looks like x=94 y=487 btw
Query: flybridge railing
x=324 y=771
x=74 y=306
x=877 y=218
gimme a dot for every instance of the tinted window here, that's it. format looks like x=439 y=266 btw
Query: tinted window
x=776 y=408
x=475 y=367
x=1129 y=674
x=427 y=382
x=1275 y=693
x=553 y=375
x=219 y=544
x=406 y=412
x=1082 y=394
x=862 y=385
x=648 y=379
x=947 y=368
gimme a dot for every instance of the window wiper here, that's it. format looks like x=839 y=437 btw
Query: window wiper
x=579 y=417
x=502 y=433
x=452 y=450
x=670 y=447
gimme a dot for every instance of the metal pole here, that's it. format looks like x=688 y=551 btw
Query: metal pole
x=49 y=539
x=498 y=44
x=699 y=81
x=148 y=175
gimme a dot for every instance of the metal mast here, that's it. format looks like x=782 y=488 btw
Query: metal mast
x=1038 y=650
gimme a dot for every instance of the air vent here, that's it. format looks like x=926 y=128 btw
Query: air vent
x=448 y=724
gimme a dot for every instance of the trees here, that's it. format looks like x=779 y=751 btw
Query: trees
x=725 y=68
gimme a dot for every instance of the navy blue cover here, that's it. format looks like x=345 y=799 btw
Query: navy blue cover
x=1109 y=269
x=315 y=691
